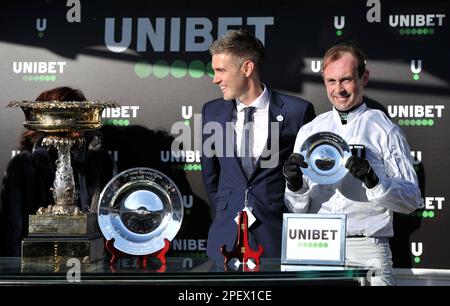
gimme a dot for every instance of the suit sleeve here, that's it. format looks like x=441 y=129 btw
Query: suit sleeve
x=210 y=164
x=308 y=114
x=298 y=201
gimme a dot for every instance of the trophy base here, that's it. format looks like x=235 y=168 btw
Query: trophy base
x=59 y=249
x=63 y=225
x=56 y=239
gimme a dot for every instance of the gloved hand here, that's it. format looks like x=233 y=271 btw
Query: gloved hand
x=292 y=171
x=361 y=169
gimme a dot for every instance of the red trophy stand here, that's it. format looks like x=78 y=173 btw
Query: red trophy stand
x=142 y=259
x=242 y=250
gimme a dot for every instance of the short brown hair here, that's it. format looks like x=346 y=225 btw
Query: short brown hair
x=241 y=44
x=337 y=51
x=62 y=94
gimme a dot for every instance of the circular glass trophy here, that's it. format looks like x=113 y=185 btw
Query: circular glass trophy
x=140 y=208
x=326 y=154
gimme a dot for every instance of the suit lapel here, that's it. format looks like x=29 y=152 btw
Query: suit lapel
x=229 y=136
x=277 y=115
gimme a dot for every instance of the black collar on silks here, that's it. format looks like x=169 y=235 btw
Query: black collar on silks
x=343 y=115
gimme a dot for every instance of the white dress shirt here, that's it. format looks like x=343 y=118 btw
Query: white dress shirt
x=369 y=211
x=260 y=127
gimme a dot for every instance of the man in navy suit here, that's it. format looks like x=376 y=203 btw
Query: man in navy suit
x=243 y=167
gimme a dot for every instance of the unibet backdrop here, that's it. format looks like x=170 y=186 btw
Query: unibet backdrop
x=153 y=60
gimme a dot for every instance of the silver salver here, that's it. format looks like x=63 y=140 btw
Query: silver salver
x=326 y=154
x=139 y=208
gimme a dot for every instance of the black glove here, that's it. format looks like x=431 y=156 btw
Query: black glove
x=361 y=169
x=292 y=171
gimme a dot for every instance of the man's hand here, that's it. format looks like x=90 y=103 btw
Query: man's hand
x=361 y=169
x=292 y=171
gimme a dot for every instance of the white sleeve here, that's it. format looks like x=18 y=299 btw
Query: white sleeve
x=297 y=201
x=398 y=188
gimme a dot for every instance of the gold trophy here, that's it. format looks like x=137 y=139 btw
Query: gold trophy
x=61 y=231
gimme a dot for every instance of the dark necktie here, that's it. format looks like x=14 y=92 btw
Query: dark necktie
x=247 y=135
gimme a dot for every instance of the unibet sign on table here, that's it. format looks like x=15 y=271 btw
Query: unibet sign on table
x=313 y=239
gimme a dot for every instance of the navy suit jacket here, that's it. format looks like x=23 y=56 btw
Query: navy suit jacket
x=226 y=183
